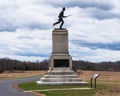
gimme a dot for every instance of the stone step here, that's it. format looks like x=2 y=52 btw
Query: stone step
x=61 y=73
x=60 y=83
x=60 y=76
x=61 y=79
x=63 y=68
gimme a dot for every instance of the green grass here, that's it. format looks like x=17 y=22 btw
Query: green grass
x=70 y=93
x=34 y=86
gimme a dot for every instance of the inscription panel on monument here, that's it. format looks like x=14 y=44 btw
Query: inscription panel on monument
x=61 y=63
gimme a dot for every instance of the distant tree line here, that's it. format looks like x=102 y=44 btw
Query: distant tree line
x=13 y=65
x=102 y=66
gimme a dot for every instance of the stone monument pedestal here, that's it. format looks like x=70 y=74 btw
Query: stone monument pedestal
x=60 y=69
x=60 y=54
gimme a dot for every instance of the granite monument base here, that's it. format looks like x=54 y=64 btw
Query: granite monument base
x=60 y=76
x=60 y=70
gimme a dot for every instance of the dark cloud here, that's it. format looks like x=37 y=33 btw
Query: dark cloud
x=25 y=37
x=83 y=4
x=96 y=10
x=94 y=46
x=101 y=15
x=90 y=5
x=38 y=26
x=7 y=26
x=11 y=27
x=32 y=54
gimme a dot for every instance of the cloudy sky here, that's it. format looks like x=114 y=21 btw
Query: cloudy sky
x=26 y=29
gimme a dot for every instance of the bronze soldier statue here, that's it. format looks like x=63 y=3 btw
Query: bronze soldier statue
x=60 y=18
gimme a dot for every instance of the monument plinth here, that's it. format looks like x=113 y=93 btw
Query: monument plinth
x=60 y=41
x=60 y=53
x=60 y=69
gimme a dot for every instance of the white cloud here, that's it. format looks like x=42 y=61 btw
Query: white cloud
x=99 y=55
x=25 y=42
x=26 y=28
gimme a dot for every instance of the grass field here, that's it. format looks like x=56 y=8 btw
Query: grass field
x=108 y=84
x=19 y=74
